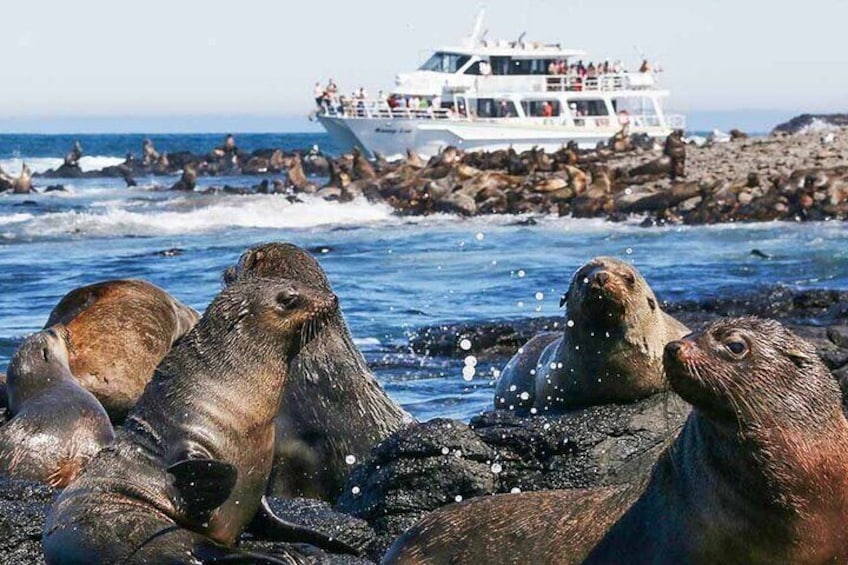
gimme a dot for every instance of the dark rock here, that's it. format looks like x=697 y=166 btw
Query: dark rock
x=798 y=123
x=429 y=465
x=489 y=339
x=23 y=507
x=173 y=252
x=838 y=335
x=319 y=515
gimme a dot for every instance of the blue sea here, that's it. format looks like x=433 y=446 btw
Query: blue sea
x=392 y=274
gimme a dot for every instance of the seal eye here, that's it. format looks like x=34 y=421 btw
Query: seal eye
x=737 y=346
x=629 y=278
x=287 y=299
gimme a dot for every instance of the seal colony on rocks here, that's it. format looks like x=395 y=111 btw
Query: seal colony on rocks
x=610 y=348
x=56 y=426
x=759 y=474
x=332 y=407
x=187 y=473
x=116 y=333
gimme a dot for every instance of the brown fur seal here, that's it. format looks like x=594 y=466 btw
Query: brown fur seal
x=56 y=426
x=759 y=474
x=188 y=180
x=333 y=406
x=187 y=473
x=116 y=333
x=610 y=349
x=297 y=177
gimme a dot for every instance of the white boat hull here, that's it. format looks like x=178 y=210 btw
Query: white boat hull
x=392 y=137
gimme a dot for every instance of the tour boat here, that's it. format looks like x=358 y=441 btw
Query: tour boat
x=489 y=95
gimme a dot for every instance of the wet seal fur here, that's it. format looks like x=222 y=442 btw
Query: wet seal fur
x=610 y=349
x=187 y=473
x=117 y=332
x=759 y=474
x=56 y=426
x=333 y=406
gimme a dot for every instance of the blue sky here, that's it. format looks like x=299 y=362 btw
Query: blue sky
x=156 y=65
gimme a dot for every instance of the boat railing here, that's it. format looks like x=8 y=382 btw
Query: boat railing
x=381 y=109
x=603 y=82
x=368 y=109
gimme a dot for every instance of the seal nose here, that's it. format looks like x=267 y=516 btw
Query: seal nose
x=673 y=349
x=601 y=278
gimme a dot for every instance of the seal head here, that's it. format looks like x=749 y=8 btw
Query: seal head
x=56 y=425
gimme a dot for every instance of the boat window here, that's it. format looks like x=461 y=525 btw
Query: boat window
x=473 y=69
x=583 y=107
x=445 y=62
x=510 y=66
x=541 y=108
x=492 y=108
x=634 y=105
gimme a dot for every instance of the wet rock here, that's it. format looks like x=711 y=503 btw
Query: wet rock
x=23 y=507
x=490 y=339
x=439 y=462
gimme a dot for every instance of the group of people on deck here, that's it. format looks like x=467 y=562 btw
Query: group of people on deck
x=592 y=70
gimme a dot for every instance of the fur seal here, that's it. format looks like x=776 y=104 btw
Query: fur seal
x=187 y=472
x=188 y=180
x=610 y=349
x=23 y=184
x=116 y=333
x=333 y=406
x=759 y=474
x=56 y=426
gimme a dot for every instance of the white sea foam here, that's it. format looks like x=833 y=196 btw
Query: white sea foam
x=41 y=164
x=817 y=124
x=14 y=219
x=265 y=211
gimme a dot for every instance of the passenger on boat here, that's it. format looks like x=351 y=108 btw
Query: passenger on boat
x=485 y=68
x=320 y=95
x=547 y=109
x=645 y=68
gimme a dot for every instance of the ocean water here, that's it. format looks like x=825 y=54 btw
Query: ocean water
x=392 y=274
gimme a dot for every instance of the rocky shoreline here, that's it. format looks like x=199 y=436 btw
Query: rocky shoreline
x=802 y=176
x=431 y=464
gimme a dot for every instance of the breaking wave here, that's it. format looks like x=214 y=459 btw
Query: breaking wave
x=41 y=164
x=261 y=211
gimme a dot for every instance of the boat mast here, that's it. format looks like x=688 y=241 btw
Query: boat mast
x=477 y=31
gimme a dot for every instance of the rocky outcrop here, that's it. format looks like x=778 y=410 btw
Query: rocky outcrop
x=811 y=121
x=429 y=465
x=24 y=506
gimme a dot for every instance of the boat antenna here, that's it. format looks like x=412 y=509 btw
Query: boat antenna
x=640 y=53
x=477 y=31
x=521 y=38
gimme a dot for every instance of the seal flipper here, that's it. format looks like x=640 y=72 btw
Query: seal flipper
x=269 y=526
x=203 y=484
